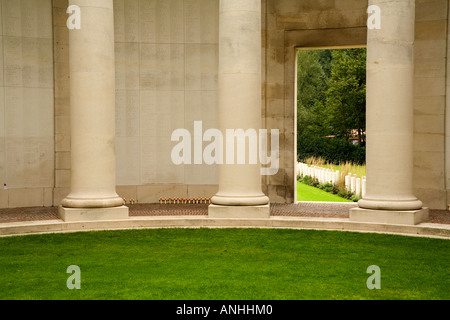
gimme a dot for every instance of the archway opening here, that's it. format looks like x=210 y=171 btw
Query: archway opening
x=331 y=124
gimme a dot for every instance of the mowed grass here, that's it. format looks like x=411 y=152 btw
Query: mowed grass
x=309 y=193
x=223 y=264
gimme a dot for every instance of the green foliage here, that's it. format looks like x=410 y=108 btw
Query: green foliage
x=337 y=150
x=344 y=194
x=327 y=187
x=331 y=102
x=346 y=95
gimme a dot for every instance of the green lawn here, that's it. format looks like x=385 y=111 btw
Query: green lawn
x=308 y=193
x=224 y=264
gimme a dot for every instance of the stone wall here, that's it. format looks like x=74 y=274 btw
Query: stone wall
x=166 y=78
x=429 y=103
x=26 y=103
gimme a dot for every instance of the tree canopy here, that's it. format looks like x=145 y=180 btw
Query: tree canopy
x=331 y=104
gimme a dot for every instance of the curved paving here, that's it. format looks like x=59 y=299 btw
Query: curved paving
x=301 y=209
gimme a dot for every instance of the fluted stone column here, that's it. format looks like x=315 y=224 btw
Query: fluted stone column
x=240 y=193
x=92 y=116
x=390 y=92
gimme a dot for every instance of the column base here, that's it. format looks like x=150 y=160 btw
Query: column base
x=244 y=212
x=410 y=217
x=93 y=214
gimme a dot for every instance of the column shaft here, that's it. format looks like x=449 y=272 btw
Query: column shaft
x=390 y=94
x=92 y=108
x=239 y=97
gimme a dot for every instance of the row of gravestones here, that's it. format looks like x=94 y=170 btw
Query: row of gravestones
x=352 y=182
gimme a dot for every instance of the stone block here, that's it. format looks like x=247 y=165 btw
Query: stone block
x=431 y=30
x=29 y=162
x=94 y=214
x=201 y=105
x=201 y=18
x=431 y=10
x=127 y=65
x=4 y=198
x=430 y=68
x=62 y=143
x=201 y=66
x=242 y=212
x=429 y=142
x=127 y=113
x=152 y=193
x=162 y=67
x=425 y=86
x=430 y=49
x=412 y=217
x=128 y=159
x=432 y=198
x=126 y=22
x=28 y=62
x=276 y=193
x=26 y=197
x=59 y=194
x=27 y=18
x=62 y=178
x=161 y=21
x=434 y=105
x=63 y=160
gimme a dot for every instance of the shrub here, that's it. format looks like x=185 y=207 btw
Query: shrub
x=345 y=194
x=315 y=182
x=335 y=150
x=328 y=187
x=335 y=189
x=306 y=180
x=342 y=193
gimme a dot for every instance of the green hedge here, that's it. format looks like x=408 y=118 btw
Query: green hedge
x=334 y=150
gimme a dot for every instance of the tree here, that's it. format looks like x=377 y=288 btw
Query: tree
x=331 y=101
x=312 y=86
x=346 y=95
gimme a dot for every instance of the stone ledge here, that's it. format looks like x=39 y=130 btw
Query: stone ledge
x=431 y=230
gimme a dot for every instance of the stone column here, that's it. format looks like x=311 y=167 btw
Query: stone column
x=390 y=106
x=92 y=116
x=240 y=193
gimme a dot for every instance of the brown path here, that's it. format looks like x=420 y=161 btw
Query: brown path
x=302 y=209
